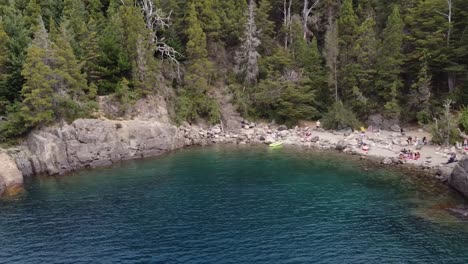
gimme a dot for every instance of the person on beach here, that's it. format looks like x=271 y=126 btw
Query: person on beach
x=402 y=131
x=417 y=156
x=465 y=144
x=452 y=159
x=424 y=141
x=409 y=140
x=317 y=124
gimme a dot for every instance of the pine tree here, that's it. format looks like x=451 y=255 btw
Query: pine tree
x=366 y=46
x=4 y=41
x=138 y=47
x=75 y=14
x=196 y=45
x=95 y=9
x=70 y=82
x=232 y=17
x=114 y=62
x=194 y=101
x=18 y=41
x=318 y=77
x=428 y=33
x=37 y=107
x=208 y=17
x=266 y=27
x=389 y=81
x=32 y=14
x=91 y=53
x=421 y=93
x=347 y=32
x=247 y=57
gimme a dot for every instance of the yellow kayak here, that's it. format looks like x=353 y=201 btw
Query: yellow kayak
x=276 y=144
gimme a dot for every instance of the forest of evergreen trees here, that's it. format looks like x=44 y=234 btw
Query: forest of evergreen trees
x=282 y=60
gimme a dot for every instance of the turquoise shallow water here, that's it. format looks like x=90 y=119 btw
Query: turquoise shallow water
x=229 y=205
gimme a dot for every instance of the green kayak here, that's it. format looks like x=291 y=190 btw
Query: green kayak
x=276 y=144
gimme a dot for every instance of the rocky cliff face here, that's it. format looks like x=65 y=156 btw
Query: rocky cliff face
x=92 y=143
x=459 y=177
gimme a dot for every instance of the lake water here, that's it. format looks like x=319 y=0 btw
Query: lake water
x=233 y=205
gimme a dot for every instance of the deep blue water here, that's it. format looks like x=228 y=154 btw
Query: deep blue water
x=229 y=205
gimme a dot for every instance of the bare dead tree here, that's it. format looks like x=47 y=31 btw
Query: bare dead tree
x=156 y=20
x=444 y=130
x=331 y=55
x=449 y=16
x=287 y=22
x=247 y=56
x=305 y=16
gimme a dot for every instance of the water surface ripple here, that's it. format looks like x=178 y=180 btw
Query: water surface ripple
x=227 y=205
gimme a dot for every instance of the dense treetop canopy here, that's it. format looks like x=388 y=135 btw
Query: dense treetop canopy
x=282 y=60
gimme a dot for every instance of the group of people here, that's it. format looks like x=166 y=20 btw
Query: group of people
x=407 y=154
x=416 y=141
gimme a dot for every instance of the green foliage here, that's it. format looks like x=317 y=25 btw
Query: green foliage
x=37 y=90
x=4 y=40
x=389 y=83
x=32 y=15
x=192 y=106
x=265 y=26
x=232 y=18
x=340 y=117
x=207 y=12
x=18 y=40
x=196 y=45
x=376 y=56
x=421 y=93
x=463 y=119
x=444 y=130
x=122 y=94
x=114 y=61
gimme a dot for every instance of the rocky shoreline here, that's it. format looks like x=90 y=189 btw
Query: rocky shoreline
x=90 y=143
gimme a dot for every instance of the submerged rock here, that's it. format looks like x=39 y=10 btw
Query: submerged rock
x=387 y=161
x=461 y=212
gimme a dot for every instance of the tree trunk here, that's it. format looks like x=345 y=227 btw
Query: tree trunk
x=451 y=78
x=336 y=82
x=305 y=16
x=463 y=135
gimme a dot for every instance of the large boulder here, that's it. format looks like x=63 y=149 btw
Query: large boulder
x=341 y=145
x=395 y=128
x=375 y=120
x=10 y=175
x=459 y=177
x=387 y=124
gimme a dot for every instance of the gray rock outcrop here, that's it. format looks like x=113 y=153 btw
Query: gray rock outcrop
x=459 y=177
x=93 y=143
x=10 y=176
x=341 y=145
